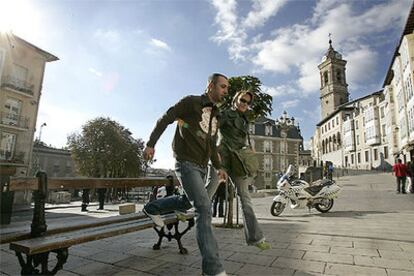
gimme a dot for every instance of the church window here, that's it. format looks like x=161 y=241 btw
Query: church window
x=339 y=76
x=325 y=77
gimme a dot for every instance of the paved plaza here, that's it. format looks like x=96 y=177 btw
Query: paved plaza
x=369 y=231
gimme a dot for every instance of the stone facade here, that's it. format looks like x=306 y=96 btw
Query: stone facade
x=55 y=162
x=22 y=67
x=277 y=144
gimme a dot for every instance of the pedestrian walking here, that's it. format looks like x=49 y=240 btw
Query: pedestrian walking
x=218 y=200
x=239 y=161
x=400 y=171
x=330 y=170
x=194 y=145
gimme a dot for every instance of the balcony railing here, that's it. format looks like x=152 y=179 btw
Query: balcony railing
x=10 y=119
x=10 y=157
x=17 y=84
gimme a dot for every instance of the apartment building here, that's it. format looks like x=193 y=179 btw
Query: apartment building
x=55 y=162
x=278 y=144
x=398 y=90
x=22 y=68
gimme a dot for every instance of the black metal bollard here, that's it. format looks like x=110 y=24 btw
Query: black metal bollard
x=101 y=197
x=6 y=200
x=85 y=200
x=39 y=227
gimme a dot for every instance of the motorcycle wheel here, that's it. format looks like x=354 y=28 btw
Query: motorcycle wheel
x=326 y=206
x=277 y=208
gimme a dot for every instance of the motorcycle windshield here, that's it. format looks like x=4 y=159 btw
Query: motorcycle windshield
x=282 y=178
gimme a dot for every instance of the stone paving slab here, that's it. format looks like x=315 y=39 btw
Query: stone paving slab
x=397 y=272
x=254 y=270
x=385 y=263
x=344 y=269
x=302 y=265
x=329 y=258
x=354 y=251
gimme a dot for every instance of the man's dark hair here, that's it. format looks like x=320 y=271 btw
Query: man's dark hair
x=214 y=77
x=399 y=160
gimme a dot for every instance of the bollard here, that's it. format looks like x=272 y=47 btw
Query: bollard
x=38 y=226
x=6 y=200
x=85 y=200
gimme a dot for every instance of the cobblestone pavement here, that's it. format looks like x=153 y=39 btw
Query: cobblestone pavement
x=369 y=231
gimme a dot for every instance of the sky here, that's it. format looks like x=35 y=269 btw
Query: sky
x=131 y=60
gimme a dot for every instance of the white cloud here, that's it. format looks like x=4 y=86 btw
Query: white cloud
x=262 y=11
x=159 y=44
x=313 y=114
x=279 y=91
x=109 y=40
x=309 y=77
x=229 y=30
x=290 y=103
x=361 y=65
x=95 y=72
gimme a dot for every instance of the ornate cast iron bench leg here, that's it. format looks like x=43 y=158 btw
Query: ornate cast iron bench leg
x=177 y=235
x=29 y=267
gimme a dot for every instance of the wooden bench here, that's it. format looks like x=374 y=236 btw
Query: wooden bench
x=41 y=243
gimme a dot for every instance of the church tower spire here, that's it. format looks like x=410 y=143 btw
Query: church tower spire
x=334 y=89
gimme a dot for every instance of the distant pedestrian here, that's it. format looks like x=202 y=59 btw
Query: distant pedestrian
x=218 y=200
x=400 y=171
x=330 y=171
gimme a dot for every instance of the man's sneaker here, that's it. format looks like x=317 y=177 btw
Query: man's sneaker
x=155 y=218
x=263 y=245
x=180 y=216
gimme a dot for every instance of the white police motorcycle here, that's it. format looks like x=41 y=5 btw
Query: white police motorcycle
x=320 y=195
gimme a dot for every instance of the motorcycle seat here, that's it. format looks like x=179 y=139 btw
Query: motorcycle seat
x=313 y=190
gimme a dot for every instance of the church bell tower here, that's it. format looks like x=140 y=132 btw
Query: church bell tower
x=334 y=89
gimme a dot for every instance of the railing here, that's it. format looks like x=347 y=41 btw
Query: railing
x=8 y=156
x=17 y=84
x=7 y=118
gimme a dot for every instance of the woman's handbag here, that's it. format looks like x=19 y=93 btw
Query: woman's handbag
x=249 y=160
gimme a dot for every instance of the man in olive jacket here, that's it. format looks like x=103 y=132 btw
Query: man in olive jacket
x=194 y=145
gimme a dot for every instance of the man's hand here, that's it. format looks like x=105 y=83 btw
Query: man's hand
x=149 y=153
x=222 y=175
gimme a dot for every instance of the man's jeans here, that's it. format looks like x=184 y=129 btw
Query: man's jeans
x=401 y=183
x=252 y=231
x=192 y=177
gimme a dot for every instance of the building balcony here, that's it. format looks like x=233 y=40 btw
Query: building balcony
x=17 y=85
x=349 y=147
x=9 y=157
x=373 y=140
x=10 y=119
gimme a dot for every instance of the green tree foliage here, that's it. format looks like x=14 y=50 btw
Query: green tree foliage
x=105 y=148
x=262 y=104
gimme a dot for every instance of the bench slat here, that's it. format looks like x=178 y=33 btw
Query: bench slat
x=26 y=183
x=7 y=237
x=64 y=240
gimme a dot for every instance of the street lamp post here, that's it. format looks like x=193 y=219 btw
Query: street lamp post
x=40 y=131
